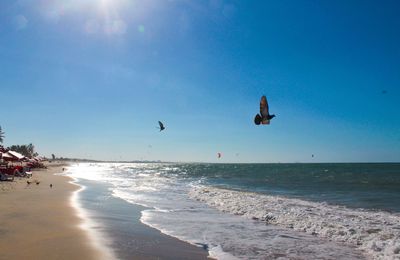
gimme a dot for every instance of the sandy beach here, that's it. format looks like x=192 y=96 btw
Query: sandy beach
x=39 y=222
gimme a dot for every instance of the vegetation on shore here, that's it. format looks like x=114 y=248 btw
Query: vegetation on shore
x=1 y=135
x=27 y=150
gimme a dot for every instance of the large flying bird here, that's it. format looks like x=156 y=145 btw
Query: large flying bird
x=265 y=117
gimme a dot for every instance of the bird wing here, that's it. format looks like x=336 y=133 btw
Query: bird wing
x=264 y=109
x=161 y=124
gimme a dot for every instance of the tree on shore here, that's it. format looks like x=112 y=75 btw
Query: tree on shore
x=25 y=150
x=1 y=135
x=31 y=149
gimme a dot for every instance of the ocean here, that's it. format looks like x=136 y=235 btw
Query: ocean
x=253 y=211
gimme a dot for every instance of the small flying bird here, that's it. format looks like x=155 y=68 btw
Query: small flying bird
x=161 y=126
x=264 y=117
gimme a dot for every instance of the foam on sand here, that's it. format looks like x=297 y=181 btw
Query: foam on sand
x=375 y=233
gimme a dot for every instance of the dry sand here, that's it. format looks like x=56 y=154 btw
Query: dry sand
x=38 y=222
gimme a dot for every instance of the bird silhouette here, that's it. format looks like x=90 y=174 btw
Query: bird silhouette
x=264 y=117
x=162 y=127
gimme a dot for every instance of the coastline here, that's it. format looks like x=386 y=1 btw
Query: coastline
x=115 y=223
x=39 y=222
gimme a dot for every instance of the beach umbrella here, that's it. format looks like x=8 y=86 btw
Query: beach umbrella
x=17 y=155
x=13 y=156
x=7 y=157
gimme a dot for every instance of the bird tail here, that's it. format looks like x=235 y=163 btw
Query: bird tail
x=257 y=119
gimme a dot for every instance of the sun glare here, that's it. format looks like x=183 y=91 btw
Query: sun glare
x=108 y=17
x=102 y=16
x=107 y=3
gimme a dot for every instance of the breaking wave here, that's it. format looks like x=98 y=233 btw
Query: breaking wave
x=376 y=233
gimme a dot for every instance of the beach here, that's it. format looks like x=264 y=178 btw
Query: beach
x=38 y=222
x=42 y=222
x=244 y=211
x=193 y=211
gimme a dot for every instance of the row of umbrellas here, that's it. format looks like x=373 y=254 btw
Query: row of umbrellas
x=15 y=156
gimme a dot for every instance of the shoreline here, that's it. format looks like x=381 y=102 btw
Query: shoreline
x=38 y=222
x=117 y=225
x=97 y=241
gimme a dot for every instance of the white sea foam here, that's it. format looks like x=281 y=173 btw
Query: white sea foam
x=225 y=235
x=375 y=233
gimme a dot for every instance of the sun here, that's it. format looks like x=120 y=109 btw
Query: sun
x=107 y=3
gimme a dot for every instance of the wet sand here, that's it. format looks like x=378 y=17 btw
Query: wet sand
x=125 y=233
x=39 y=222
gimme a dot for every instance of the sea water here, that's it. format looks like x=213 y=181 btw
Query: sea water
x=264 y=211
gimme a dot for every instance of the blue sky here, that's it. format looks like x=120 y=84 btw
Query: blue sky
x=92 y=78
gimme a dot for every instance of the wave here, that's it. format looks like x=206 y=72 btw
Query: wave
x=377 y=234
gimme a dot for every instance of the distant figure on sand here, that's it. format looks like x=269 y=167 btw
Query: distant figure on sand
x=51 y=185
x=264 y=117
x=161 y=126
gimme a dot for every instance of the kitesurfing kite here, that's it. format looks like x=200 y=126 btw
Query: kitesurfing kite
x=219 y=155
x=264 y=117
x=161 y=126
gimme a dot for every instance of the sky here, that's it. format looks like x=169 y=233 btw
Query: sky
x=90 y=79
